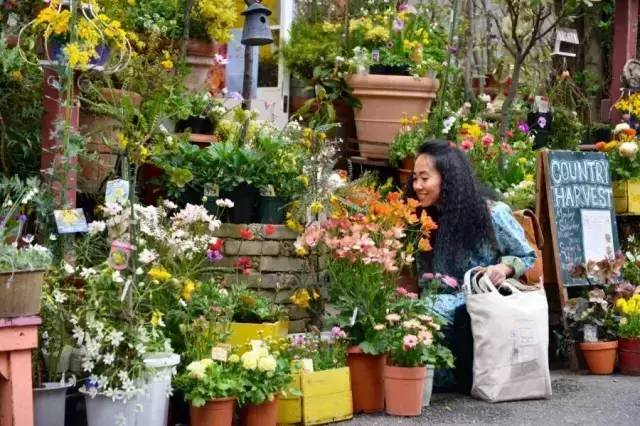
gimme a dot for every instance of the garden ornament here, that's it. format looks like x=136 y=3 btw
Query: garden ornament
x=566 y=41
x=256 y=31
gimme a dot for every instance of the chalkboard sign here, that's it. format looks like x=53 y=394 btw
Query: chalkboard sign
x=579 y=205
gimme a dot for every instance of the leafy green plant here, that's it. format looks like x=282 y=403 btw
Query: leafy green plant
x=206 y=380
x=311 y=45
x=251 y=307
x=406 y=144
x=566 y=131
x=233 y=164
x=265 y=373
x=327 y=350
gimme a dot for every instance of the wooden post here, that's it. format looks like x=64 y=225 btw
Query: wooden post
x=18 y=336
x=50 y=158
x=625 y=33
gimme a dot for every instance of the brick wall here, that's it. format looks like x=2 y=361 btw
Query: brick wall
x=276 y=269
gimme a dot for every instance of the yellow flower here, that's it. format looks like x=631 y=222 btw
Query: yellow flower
x=131 y=2
x=529 y=178
x=249 y=360
x=304 y=179
x=122 y=141
x=156 y=319
x=159 y=273
x=301 y=298
x=76 y=56
x=316 y=207
x=267 y=363
x=294 y=225
x=377 y=34
x=167 y=64
x=88 y=33
x=16 y=75
x=187 y=289
x=522 y=161
x=61 y=22
x=234 y=358
x=301 y=251
x=315 y=295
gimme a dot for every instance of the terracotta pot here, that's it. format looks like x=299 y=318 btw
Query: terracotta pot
x=629 y=356
x=367 y=380
x=98 y=165
x=385 y=100
x=408 y=163
x=265 y=414
x=600 y=356
x=217 y=412
x=201 y=61
x=403 y=390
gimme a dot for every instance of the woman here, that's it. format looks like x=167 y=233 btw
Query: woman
x=473 y=230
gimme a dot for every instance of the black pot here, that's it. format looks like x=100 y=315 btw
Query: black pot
x=389 y=69
x=190 y=196
x=245 y=200
x=199 y=125
x=272 y=209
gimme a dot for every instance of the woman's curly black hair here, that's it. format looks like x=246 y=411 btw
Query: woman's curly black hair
x=463 y=213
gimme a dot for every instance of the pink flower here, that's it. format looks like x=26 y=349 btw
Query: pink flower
x=427 y=276
x=450 y=281
x=466 y=145
x=426 y=337
x=409 y=342
x=412 y=296
x=298 y=340
x=401 y=291
x=337 y=333
x=505 y=148
x=398 y=25
x=487 y=140
x=392 y=317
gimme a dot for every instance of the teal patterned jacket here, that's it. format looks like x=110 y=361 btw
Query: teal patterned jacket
x=513 y=250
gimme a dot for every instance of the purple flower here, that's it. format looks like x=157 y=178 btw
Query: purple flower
x=542 y=122
x=298 y=340
x=214 y=255
x=22 y=218
x=337 y=333
x=453 y=49
x=427 y=276
x=523 y=127
x=235 y=96
x=398 y=25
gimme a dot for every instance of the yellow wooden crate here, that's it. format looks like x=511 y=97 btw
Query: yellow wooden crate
x=290 y=407
x=242 y=334
x=326 y=396
x=626 y=196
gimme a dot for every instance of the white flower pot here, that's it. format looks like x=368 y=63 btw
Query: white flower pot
x=428 y=386
x=49 y=404
x=155 y=402
x=103 y=411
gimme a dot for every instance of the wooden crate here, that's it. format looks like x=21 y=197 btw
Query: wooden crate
x=243 y=333
x=289 y=406
x=626 y=196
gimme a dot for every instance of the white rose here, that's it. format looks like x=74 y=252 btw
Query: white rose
x=628 y=149
x=620 y=128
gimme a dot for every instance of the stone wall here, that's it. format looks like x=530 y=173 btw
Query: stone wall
x=276 y=269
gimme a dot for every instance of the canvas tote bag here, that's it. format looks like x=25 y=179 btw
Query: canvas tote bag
x=510 y=339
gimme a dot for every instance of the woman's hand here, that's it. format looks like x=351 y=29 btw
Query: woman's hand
x=498 y=273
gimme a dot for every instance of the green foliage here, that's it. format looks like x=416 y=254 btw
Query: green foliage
x=265 y=374
x=233 y=164
x=566 y=130
x=310 y=45
x=251 y=307
x=327 y=350
x=285 y=158
x=630 y=329
x=206 y=380
x=405 y=144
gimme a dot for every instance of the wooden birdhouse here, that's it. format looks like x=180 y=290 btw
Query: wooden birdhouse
x=566 y=42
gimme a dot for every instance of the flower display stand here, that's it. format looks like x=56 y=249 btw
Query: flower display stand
x=626 y=196
x=326 y=398
x=18 y=336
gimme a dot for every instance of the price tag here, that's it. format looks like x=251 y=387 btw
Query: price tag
x=375 y=55
x=70 y=221
x=219 y=354
x=590 y=333
x=117 y=191
x=307 y=364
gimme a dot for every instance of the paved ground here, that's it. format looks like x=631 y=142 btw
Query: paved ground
x=576 y=400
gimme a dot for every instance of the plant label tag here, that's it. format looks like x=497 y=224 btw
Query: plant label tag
x=352 y=321
x=590 y=333
x=219 y=354
x=211 y=190
x=70 y=221
x=307 y=364
x=375 y=55
x=117 y=192
x=541 y=105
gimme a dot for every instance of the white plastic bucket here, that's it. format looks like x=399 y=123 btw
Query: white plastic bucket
x=428 y=386
x=49 y=404
x=103 y=411
x=155 y=402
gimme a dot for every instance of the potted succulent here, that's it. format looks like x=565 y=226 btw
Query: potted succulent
x=22 y=262
x=411 y=337
x=265 y=374
x=212 y=388
x=628 y=306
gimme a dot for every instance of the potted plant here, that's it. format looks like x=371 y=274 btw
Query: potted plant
x=628 y=306
x=198 y=121
x=212 y=388
x=402 y=45
x=405 y=145
x=22 y=262
x=592 y=320
x=320 y=358
x=410 y=336
x=265 y=374
x=362 y=275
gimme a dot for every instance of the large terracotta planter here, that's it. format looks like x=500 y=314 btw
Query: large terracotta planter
x=101 y=160
x=367 y=380
x=403 y=390
x=629 y=356
x=385 y=99
x=201 y=61
x=600 y=356
x=217 y=412
x=265 y=414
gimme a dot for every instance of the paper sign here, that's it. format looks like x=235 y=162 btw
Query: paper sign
x=219 y=354
x=117 y=191
x=307 y=364
x=375 y=55
x=352 y=321
x=70 y=221
x=590 y=333
x=597 y=233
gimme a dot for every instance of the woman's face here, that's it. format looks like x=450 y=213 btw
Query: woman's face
x=426 y=180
